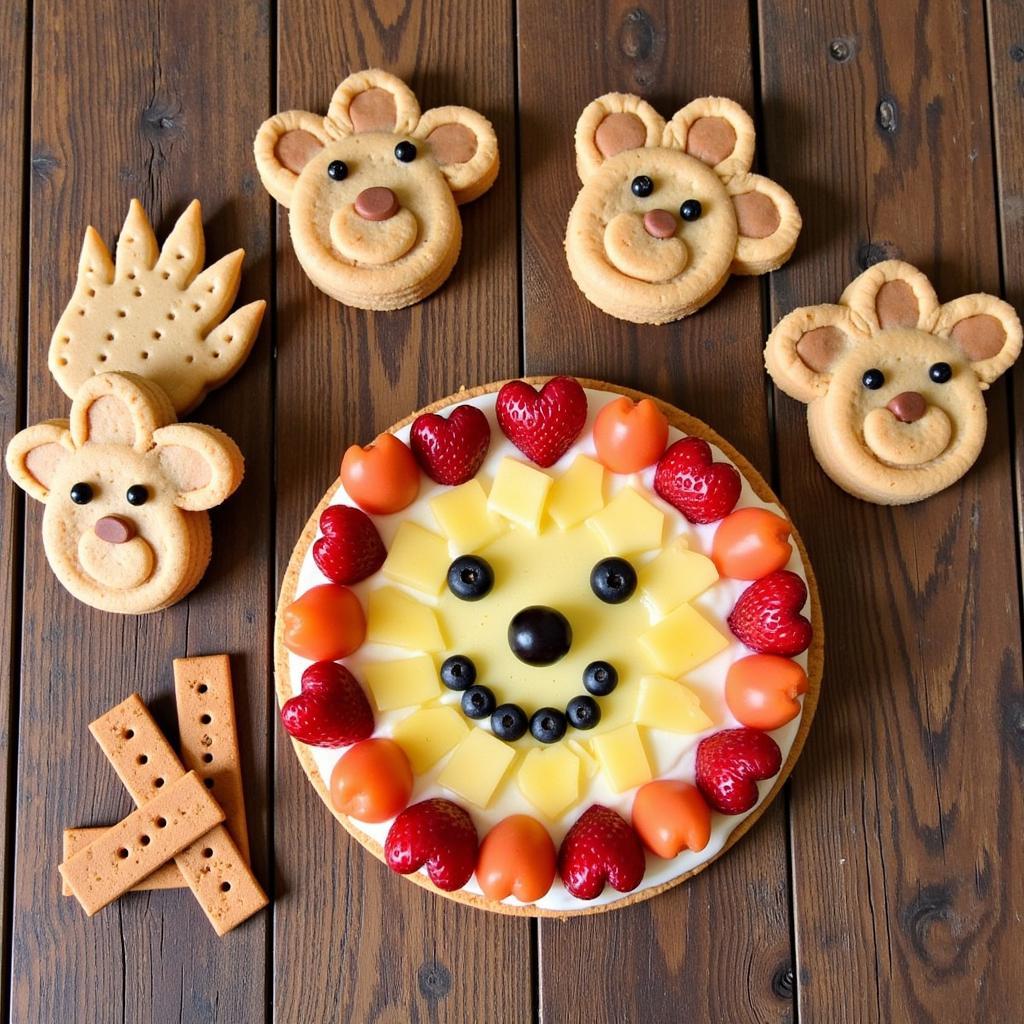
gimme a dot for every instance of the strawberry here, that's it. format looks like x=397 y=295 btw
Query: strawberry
x=350 y=548
x=730 y=762
x=767 y=616
x=437 y=833
x=600 y=847
x=450 y=451
x=542 y=425
x=331 y=711
x=703 y=490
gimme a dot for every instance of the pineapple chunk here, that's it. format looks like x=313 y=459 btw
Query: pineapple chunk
x=401 y=683
x=550 y=780
x=464 y=518
x=681 y=641
x=428 y=734
x=393 y=617
x=628 y=523
x=519 y=492
x=665 y=704
x=577 y=493
x=477 y=766
x=675 y=576
x=417 y=558
x=587 y=759
x=623 y=758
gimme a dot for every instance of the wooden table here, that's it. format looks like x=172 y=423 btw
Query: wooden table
x=888 y=883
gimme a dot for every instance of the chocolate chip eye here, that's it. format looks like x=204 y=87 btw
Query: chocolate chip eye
x=641 y=186
x=940 y=372
x=337 y=170
x=691 y=210
x=406 y=152
x=137 y=495
x=873 y=379
x=81 y=493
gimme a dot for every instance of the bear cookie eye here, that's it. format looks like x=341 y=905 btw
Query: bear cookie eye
x=337 y=170
x=81 y=493
x=405 y=151
x=873 y=379
x=641 y=186
x=940 y=372
x=137 y=494
x=691 y=210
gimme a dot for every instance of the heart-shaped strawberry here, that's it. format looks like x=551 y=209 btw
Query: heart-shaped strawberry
x=767 y=616
x=437 y=833
x=600 y=847
x=451 y=450
x=331 y=711
x=350 y=548
x=542 y=425
x=687 y=477
x=729 y=765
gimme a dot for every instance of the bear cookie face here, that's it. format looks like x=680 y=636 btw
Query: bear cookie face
x=893 y=381
x=125 y=488
x=668 y=211
x=373 y=188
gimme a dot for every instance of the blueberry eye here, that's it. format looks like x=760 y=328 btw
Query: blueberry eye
x=940 y=372
x=873 y=379
x=691 y=210
x=406 y=152
x=642 y=186
x=137 y=495
x=470 y=578
x=337 y=170
x=613 y=580
x=81 y=493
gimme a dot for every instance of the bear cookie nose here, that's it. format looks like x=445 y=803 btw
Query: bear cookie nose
x=660 y=223
x=377 y=203
x=539 y=635
x=908 y=406
x=114 y=529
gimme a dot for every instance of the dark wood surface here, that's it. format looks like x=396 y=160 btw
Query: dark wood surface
x=888 y=883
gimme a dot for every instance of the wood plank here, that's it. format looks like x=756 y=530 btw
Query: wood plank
x=14 y=31
x=718 y=947
x=382 y=948
x=906 y=804
x=156 y=100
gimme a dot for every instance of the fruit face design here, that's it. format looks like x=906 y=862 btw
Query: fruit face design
x=372 y=188
x=544 y=640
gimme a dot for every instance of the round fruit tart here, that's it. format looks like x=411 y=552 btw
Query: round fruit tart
x=548 y=649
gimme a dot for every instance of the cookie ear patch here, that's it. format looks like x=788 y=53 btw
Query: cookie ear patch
x=892 y=294
x=372 y=101
x=613 y=124
x=768 y=223
x=717 y=131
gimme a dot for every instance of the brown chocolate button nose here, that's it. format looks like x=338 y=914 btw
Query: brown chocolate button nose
x=660 y=223
x=114 y=529
x=908 y=406
x=377 y=203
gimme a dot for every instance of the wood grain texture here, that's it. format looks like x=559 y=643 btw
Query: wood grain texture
x=153 y=100
x=382 y=949
x=907 y=805
x=717 y=948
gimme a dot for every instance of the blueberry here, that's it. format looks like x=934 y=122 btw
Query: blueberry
x=509 y=722
x=600 y=678
x=470 y=578
x=81 y=493
x=478 y=702
x=940 y=372
x=406 y=152
x=641 y=186
x=539 y=635
x=873 y=379
x=691 y=210
x=547 y=725
x=583 y=712
x=337 y=170
x=613 y=580
x=137 y=495
x=458 y=672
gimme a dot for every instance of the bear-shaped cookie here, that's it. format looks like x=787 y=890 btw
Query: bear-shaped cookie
x=151 y=312
x=372 y=188
x=668 y=211
x=893 y=381
x=126 y=490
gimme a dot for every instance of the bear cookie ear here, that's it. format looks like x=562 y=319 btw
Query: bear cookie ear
x=986 y=329
x=35 y=454
x=610 y=125
x=465 y=148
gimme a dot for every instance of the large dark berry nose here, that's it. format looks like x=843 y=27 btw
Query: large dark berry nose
x=539 y=635
x=908 y=406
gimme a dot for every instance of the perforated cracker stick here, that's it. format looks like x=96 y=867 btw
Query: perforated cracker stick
x=136 y=846
x=209 y=739
x=167 y=876
x=213 y=867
